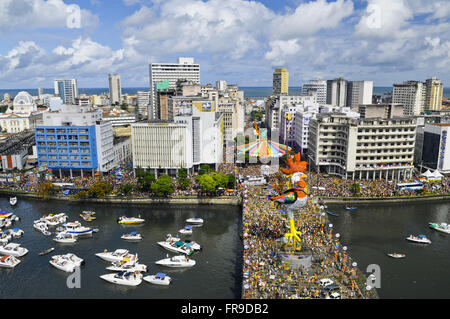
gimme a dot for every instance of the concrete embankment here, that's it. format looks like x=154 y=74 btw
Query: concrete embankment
x=382 y=200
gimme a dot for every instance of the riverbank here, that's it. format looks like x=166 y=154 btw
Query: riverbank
x=178 y=200
x=395 y=199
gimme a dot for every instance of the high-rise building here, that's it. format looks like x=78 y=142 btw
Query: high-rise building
x=40 y=92
x=359 y=92
x=221 y=85
x=433 y=95
x=280 y=82
x=143 y=102
x=66 y=89
x=115 y=89
x=318 y=87
x=337 y=92
x=412 y=95
x=185 y=69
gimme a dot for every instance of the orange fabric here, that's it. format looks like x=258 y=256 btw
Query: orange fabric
x=295 y=165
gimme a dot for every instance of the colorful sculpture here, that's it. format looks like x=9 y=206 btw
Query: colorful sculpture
x=295 y=198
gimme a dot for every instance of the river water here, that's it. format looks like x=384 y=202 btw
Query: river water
x=216 y=275
x=373 y=230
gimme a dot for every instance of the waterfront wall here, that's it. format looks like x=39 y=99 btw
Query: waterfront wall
x=374 y=200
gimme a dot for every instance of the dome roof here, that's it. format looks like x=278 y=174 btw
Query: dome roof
x=23 y=99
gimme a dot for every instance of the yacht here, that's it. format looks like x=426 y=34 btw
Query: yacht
x=124 y=278
x=65 y=238
x=442 y=227
x=130 y=220
x=127 y=264
x=196 y=220
x=158 y=279
x=419 y=239
x=67 y=263
x=132 y=236
x=187 y=230
x=116 y=255
x=176 y=262
x=396 y=255
x=9 y=261
x=178 y=247
x=5 y=237
x=54 y=220
x=13 y=250
x=13 y=201
x=4 y=222
x=15 y=232
x=77 y=229
x=42 y=227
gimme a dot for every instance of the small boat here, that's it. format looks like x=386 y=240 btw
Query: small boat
x=124 y=278
x=9 y=261
x=178 y=247
x=158 y=279
x=396 y=255
x=130 y=220
x=132 y=236
x=13 y=250
x=193 y=244
x=187 y=230
x=54 y=220
x=128 y=264
x=116 y=255
x=176 y=262
x=77 y=229
x=442 y=227
x=5 y=237
x=4 y=222
x=65 y=238
x=45 y=252
x=332 y=213
x=351 y=208
x=196 y=220
x=42 y=227
x=88 y=215
x=67 y=262
x=15 y=232
x=419 y=239
x=13 y=200
x=6 y=215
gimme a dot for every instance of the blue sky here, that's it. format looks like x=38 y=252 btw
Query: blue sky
x=240 y=41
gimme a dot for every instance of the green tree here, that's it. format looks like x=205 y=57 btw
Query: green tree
x=125 y=189
x=220 y=179
x=45 y=190
x=100 y=189
x=145 y=180
x=231 y=181
x=207 y=183
x=182 y=179
x=163 y=186
x=355 y=189
x=204 y=169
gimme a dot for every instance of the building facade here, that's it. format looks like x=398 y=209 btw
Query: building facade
x=66 y=89
x=280 y=82
x=115 y=89
x=359 y=92
x=411 y=94
x=433 y=96
x=319 y=87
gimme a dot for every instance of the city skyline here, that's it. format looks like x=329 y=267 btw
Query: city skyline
x=237 y=41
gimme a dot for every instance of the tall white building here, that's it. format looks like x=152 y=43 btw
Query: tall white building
x=319 y=87
x=67 y=89
x=337 y=92
x=434 y=92
x=115 y=89
x=412 y=95
x=143 y=103
x=359 y=92
x=221 y=85
x=184 y=69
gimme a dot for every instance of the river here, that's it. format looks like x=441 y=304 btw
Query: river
x=216 y=275
x=373 y=230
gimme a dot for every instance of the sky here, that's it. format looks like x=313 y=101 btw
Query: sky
x=240 y=41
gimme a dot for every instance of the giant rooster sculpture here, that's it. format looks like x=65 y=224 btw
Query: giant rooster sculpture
x=295 y=198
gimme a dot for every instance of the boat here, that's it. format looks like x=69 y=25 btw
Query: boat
x=130 y=220
x=6 y=215
x=158 y=279
x=132 y=236
x=67 y=263
x=5 y=237
x=127 y=278
x=332 y=213
x=9 y=261
x=54 y=220
x=77 y=229
x=4 y=223
x=13 y=200
x=42 y=227
x=351 y=208
x=116 y=255
x=187 y=230
x=176 y=262
x=15 y=232
x=127 y=264
x=396 y=255
x=88 y=215
x=193 y=244
x=196 y=220
x=65 y=238
x=45 y=252
x=172 y=239
x=13 y=250
x=419 y=239
x=442 y=227
x=178 y=247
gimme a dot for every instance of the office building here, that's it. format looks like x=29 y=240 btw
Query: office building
x=115 y=89
x=432 y=151
x=143 y=104
x=280 y=82
x=337 y=92
x=318 y=87
x=67 y=90
x=433 y=95
x=359 y=92
x=411 y=94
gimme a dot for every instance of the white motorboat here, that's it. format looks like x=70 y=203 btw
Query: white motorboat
x=9 y=261
x=176 y=262
x=67 y=263
x=13 y=250
x=158 y=279
x=172 y=239
x=132 y=236
x=196 y=220
x=54 y=220
x=4 y=215
x=396 y=255
x=187 y=230
x=124 y=278
x=442 y=227
x=178 y=247
x=116 y=255
x=128 y=264
x=13 y=200
x=193 y=244
x=42 y=227
x=15 y=232
x=130 y=220
x=5 y=237
x=419 y=239
x=77 y=229
x=5 y=223
x=65 y=238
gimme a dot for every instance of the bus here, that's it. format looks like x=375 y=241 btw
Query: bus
x=410 y=186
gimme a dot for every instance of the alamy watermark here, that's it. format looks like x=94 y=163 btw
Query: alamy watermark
x=74 y=280
x=73 y=20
